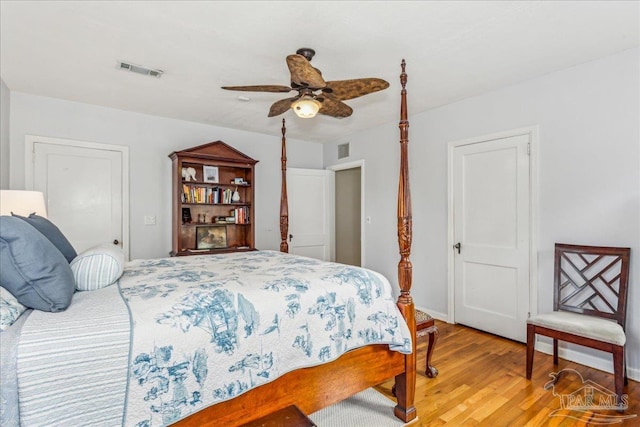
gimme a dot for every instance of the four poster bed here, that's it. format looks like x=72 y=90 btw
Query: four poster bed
x=311 y=389
x=168 y=298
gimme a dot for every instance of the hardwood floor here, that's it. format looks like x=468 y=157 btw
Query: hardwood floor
x=481 y=382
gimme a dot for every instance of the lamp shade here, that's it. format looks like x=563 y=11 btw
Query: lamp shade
x=306 y=107
x=22 y=203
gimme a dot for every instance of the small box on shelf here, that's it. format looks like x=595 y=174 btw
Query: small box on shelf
x=239 y=181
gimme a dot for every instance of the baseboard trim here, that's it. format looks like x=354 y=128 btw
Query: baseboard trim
x=603 y=364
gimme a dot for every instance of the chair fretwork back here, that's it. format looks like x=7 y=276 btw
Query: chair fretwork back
x=592 y=280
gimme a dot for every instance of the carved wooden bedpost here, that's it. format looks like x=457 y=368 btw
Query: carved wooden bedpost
x=404 y=200
x=284 y=203
x=406 y=382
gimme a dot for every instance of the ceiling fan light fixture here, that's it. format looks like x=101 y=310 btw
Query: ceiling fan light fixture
x=306 y=107
x=314 y=93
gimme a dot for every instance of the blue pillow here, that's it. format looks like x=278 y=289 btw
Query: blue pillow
x=32 y=268
x=52 y=233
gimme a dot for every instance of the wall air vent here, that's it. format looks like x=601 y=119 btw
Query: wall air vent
x=140 y=69
x=343 y=151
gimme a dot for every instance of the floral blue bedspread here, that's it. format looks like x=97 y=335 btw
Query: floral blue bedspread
x=208 y=328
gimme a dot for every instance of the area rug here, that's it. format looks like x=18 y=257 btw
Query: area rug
x=368 y=408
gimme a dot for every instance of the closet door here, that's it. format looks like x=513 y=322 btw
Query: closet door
x=84 y=191
x=311 y=195
x=491 y=193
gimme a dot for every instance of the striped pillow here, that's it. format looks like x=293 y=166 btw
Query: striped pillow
x=10 y=309
x=98 y=267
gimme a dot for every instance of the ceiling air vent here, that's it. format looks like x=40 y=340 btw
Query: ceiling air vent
x=343 y=151
x=140 y=69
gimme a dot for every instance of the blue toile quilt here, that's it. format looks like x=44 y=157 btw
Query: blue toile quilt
x=208 y=328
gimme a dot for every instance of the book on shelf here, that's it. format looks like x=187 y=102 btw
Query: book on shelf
x=206 y=195
x=240 y=215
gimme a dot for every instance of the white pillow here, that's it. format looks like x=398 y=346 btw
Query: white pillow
x=10 y=309
x=98 y=267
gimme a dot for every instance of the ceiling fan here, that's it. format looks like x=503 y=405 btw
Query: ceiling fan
x=314 y=94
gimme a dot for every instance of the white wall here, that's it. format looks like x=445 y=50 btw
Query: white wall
x=150 y=140
x=589 y=174
x=5 y=108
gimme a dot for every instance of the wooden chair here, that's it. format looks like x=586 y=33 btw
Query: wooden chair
x=589 y=308
x=426 y=325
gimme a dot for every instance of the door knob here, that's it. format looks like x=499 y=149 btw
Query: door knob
x=457 y=246
x=116 y=242
x=290 y=237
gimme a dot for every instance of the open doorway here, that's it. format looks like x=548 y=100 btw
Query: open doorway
x=349 y=197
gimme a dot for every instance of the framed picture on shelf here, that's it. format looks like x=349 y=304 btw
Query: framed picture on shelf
x=210 y=173
x=186 y=215
x=211 y=237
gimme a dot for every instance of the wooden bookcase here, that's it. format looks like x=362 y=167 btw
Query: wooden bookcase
x=207 y=219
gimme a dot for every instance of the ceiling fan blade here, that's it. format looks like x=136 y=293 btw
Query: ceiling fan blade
x=303 y=73
x=260 y=88
x=333 y=107
x=281 y=106
x=349 y=89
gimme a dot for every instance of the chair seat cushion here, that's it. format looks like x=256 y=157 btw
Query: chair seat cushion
x=583 y=325
x=422 y=317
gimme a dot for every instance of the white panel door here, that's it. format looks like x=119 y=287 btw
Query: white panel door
x=83 y=188
x=491 y=224
x=310 y=195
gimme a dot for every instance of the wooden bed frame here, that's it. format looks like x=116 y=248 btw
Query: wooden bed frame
x=314 y=388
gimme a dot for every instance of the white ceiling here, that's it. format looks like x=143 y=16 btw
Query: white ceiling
x=454 y=50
